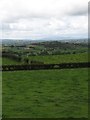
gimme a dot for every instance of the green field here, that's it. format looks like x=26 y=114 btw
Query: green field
x=45 y=93
x=0 y=94
x=0 y=61
x=8 y=61
x=81 y=57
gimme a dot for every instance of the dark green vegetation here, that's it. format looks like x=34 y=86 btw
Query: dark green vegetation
x=8 y=61
x=0 y=61
x=48 y=93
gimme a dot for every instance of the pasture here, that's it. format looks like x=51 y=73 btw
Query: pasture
x=51 y=59
x=79 y=57
x=8 y=61
x=45 y=93
x=0 y=61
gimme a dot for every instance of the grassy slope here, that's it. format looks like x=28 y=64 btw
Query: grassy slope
x=8 y=61
x=0 y=94
x=0 y=61
x=52 y=93
x=82 y=57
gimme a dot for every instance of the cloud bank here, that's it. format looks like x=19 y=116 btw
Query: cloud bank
x=40 y=19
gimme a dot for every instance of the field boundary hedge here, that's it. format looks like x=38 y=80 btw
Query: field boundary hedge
x=44 y=66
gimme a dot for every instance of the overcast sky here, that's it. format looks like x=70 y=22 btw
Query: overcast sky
x=43 y=19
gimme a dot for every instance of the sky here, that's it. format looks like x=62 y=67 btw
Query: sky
x=43 y=19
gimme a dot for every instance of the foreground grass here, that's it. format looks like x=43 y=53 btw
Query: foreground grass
x=45 y=93
x=80 y=57
x=0 y=94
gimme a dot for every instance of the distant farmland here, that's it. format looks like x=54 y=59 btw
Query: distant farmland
x=45 y=94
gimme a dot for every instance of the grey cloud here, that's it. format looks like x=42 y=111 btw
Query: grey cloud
x=43 y=19
x=79 y=11
x=5 y=27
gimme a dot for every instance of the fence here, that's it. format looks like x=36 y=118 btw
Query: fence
x=44 y=66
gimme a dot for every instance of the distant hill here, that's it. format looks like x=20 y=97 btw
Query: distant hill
x=25 y=42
